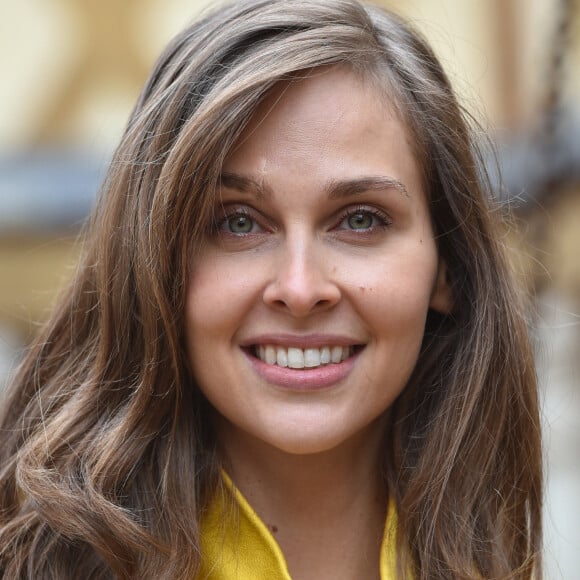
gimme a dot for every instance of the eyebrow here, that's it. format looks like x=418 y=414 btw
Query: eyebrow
x=245 y=184
x=348 y=187
x=336 y=189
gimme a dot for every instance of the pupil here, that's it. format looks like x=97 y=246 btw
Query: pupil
x=359 y=221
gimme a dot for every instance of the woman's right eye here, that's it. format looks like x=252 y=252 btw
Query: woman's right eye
x=239 y=224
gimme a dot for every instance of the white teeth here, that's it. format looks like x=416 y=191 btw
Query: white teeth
x=311 y=358
x=298 y=358
x=270 y=355
x=282 y=357
x=295 y=358
x=336 y=354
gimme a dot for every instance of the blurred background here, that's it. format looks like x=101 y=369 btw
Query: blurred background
x=71 y=70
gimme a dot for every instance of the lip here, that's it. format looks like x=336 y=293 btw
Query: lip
x=299 y=341
x=319 y=378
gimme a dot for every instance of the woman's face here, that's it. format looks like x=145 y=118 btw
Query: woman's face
x=306 y=308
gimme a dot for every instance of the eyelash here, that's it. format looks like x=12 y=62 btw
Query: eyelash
x=380 y=216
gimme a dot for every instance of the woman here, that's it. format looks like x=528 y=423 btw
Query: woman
x=292 y=347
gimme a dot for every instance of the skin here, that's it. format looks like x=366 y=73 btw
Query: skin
x=323 y=234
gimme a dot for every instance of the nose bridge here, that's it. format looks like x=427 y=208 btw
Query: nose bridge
x=300 y=265
x=303 y=279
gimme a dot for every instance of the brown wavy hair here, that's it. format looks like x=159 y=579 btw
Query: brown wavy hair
x=107 y=457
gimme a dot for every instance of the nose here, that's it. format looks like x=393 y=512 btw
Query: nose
x=302 y=282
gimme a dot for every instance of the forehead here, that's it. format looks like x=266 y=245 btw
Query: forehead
x=334 y=96
x=327 y=120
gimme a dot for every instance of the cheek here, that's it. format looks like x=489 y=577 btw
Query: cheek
x=219 y=293
x=396 y=287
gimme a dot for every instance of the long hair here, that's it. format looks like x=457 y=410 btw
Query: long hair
x=107 y=456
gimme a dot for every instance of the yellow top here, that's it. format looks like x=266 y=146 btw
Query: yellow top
x=237 y=545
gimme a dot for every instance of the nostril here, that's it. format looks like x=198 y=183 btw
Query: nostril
x=300 y=290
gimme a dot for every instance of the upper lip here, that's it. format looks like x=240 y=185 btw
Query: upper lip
x=300 y=341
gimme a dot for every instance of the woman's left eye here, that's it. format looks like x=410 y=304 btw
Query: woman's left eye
x=362 y=220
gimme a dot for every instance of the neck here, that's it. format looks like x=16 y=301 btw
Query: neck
x=321 y=508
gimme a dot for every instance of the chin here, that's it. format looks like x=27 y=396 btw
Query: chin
x=306 y=446
x=304 y=441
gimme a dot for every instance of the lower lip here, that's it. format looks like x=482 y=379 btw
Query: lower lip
x=314 y=379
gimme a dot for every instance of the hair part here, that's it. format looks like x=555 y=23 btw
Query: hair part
x=107 y=455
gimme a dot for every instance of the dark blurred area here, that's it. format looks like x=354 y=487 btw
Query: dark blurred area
x=71 y=70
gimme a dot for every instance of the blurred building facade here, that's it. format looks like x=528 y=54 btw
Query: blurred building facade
x=72 y=69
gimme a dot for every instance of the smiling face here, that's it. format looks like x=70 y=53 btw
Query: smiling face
x=306 y=307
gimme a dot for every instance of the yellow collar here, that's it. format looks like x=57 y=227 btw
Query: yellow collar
x=237 y=545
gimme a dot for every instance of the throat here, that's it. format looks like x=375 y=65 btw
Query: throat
x=345 y=546
x=326 y=511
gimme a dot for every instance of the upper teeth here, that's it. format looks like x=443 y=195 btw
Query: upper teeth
x=299 y=358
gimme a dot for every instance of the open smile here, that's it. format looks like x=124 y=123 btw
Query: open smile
x=303 y=369
x=294 y=357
